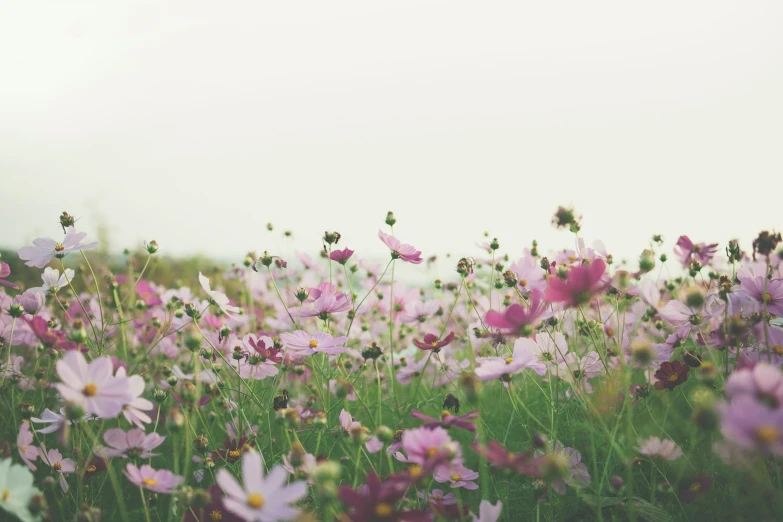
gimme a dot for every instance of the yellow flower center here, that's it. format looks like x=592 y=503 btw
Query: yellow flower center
x=509 y=360
x=455 y=477
x=437 y=496
x=766 y=297
x=313 y=343
x=255 y=500
x=431 y=452
x=767 y=435
x=57 y=466
x=523 y=282
x=414 y=471
x=778 y=349
x=383 y=509
x=92 y=469
x=58 y=247
x=434 y=344
x=673 y=377
x=149 y=482
x=22 y=448
x=695 y=487
x=216 y=515
x=6 y=494
x=610 y=332
x=444 y=414
x=90 y=390
x=234 y=454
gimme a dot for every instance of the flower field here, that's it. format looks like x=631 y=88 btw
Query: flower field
x=559 y=385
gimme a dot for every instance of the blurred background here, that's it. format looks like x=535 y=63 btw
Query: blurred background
x=197 y=123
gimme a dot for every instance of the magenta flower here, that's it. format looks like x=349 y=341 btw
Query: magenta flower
x=341 y=256
x=581 y=283
x=400 y=250
x=45 y=249
x=686 y=251
x=376 y=501
x=431 y=342
x=147 y=294
x=262 y=499
x=92 y=386
x=308 y=344
x=5 y=271
x=159 y=481
x=517 y=318
x=135 y=443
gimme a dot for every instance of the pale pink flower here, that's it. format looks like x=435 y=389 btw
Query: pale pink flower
x=92 y=385
x=159 y=481
x=457 y=475
x=219 y=298
x=134 y=410
x=58 y=464
x=655 y=447
x=45 y=249
x=308 y=344
x=263 y=498
x=526 y=355
x=400 y=250
x=24 y=443
x=488 y=512
x=134 y=443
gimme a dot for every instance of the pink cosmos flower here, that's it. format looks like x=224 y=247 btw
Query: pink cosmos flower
x=765 y=291
x=655 y=447
x=134 y=409
x=438 y=497
x=135 y=443
x=148 y=294
x=431 y=342
x=5 y=271
x=92 y=385
x=517 y=318
x=423 y=444
x=581 y=283
x=400 y=250
x=530 y=275
x=419 y=311
x=263 y=498
x=457 y=475
x=308 y=344
x=159 y=481
x=488 y=512
x=523 y=358
x=60 y=465
x=24 y=443
x=31 y=301
x=326 y=304
x=45 y=249
x=341 y=256
x=219 y=298
x=686 y=251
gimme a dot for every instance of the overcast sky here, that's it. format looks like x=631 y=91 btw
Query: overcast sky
x=196 y=123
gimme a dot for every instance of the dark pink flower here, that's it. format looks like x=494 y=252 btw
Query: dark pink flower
x=147 y=294
x=687 y=252
x=517 y=318
x=341 y=256
x=447 y=420
x=431 y=342
x=400 y=250
x=5 y=271
x=581 y=283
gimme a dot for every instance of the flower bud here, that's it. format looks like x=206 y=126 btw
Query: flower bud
x=27 y=410
x=642 y=351
x=88 y=514
x=16 y=310
x=66 y=220
x=332 y=238
x=539 y=440
x=694 y=297
x=175 y=420
x=73 y=412
x=390 y=220
x=302 y=293
x=646 y=261
x=326 y=471
x=32 y=301
x=151 y=247
x=384 y=434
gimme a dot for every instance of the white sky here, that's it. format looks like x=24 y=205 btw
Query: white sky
x=196 y=123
